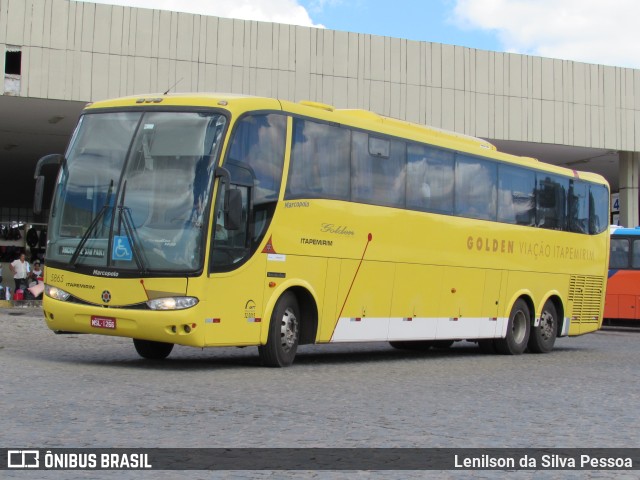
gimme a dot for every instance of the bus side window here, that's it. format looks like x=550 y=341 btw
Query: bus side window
x=377 y=177
x=475 y=192
x=229 y=246
x=259 y=141
x=619 y=257
x=578 y=216
x=598 y=209
x=635 y=254
x=516 y=195
x=430 y=179
x=319 y=166
x=551 y=202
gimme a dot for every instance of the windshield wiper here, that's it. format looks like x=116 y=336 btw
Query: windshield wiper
x=124 y=218
x=92 y=226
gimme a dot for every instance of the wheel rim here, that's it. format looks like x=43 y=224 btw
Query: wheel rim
x=546 y=325
x=288 y=330
x=519 y=326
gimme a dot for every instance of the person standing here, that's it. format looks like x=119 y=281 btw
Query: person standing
x=20 y=269
x=37 y=274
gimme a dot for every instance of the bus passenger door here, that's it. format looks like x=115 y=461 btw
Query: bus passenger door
x=236 y=285
x=235 y=305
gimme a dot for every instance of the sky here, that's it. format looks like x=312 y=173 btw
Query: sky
x=592 y=31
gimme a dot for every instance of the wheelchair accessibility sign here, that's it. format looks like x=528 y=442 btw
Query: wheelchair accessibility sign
x=121 y=249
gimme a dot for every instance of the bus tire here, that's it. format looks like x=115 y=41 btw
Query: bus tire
x=284 y=333
x=543 y=337
x=152 y=350
x=518 y=330
x=414 y=345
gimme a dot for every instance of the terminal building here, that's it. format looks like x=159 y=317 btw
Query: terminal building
x=57 y=55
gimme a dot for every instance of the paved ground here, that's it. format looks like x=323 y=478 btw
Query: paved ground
x=94 y=391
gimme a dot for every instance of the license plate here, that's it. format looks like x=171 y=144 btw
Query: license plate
x=103 y=322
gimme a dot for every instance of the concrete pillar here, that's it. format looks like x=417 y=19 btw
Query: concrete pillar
x=629 y=173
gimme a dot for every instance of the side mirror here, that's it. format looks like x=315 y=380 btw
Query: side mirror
x=38 y=194
x=55 y=159
x=233 y=210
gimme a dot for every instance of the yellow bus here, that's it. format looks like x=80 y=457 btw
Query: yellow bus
x=222 y=220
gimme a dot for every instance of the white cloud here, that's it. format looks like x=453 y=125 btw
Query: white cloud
x=279 y=11
x=319 y=5
x=594 y=31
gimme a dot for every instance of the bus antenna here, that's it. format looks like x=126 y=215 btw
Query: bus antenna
x=172 y=86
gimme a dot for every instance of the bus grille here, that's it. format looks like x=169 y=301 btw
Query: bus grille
x=585 y=294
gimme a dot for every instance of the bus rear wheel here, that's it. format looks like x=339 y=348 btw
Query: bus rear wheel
x=284 y=333
x=152 y=350
x=543 y=337
x=518 y=330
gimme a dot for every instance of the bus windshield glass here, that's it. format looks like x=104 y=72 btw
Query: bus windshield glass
x=133 y=191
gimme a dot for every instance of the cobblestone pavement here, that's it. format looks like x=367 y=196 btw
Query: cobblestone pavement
x=94 y=391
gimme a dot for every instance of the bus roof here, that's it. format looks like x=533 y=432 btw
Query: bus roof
x=625 y=231
x=238 y=104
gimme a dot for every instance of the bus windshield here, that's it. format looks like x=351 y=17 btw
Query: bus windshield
x=133 y=191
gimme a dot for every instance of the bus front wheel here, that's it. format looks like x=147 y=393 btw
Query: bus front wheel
x=518 y=330
x=152 y=350
x=543 y=337
x=284 y=333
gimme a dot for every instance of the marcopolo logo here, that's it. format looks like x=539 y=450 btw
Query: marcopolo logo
x=23 y=458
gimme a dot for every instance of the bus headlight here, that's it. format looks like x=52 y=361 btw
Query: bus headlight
x=172 y=303
x=56 y=293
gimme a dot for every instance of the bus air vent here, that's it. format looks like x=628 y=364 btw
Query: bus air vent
x=585 y=297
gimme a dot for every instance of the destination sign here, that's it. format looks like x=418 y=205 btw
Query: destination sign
x=85 y=252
